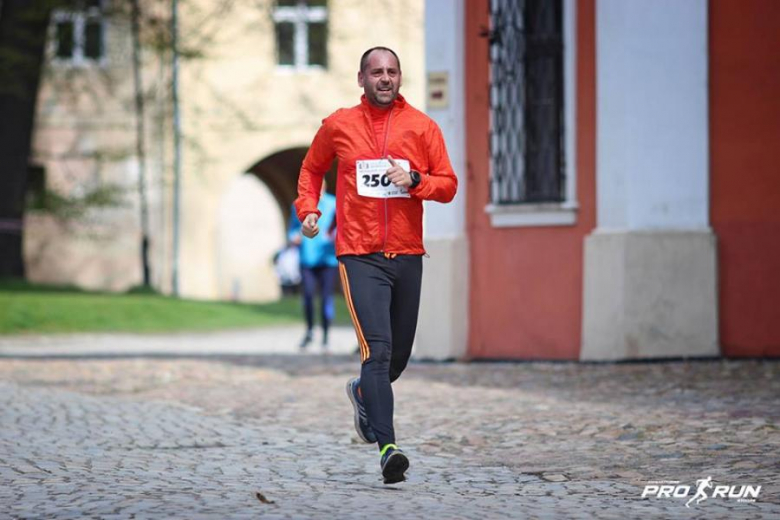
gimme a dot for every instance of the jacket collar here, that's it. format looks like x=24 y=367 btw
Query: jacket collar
x=399 y=103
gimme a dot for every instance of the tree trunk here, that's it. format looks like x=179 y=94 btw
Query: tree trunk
x=140 y=148
x=23 y=25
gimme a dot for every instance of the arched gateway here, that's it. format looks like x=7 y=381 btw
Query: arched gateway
x=252 y=221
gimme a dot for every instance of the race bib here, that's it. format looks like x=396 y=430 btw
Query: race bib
x=372 y=182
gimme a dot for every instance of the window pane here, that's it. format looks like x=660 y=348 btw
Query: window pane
x=318 y=44
x=317 y=3
x=64 y=39
x=544 y=101
x=286 y=3
x=93 y=40
x=284 y=43
x=526 y=101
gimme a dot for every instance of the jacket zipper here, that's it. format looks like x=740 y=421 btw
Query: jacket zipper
x=384 y=154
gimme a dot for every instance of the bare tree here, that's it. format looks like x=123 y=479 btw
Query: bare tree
x=141 y=149
x=23 y=25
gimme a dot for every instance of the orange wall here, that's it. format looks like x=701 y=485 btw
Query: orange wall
x=526 y=283
x=745 y=172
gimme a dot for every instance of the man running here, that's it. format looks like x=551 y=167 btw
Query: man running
x=391 y=158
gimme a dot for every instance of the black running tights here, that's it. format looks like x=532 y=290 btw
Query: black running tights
x=383 y=295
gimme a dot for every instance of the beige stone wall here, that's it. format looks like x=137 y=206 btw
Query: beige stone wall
x=238 y=108
x=84 y=137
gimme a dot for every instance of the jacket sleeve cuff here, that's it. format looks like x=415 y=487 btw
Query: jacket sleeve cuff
x=416 y=189
x=306 y=213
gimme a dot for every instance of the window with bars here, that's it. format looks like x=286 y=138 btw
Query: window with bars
x=526 y=101
x=301 y=28
x=79 y=33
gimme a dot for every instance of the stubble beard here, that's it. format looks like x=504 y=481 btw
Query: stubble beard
x=375 y=99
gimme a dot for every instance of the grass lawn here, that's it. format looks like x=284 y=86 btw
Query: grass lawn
x=38 y=309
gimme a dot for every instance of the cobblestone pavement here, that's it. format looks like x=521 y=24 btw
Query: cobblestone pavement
x=270 y=436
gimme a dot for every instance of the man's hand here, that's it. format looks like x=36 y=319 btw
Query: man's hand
x=309 y=226
x=398 y=175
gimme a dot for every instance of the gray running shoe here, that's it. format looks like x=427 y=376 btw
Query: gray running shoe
x=362 y=427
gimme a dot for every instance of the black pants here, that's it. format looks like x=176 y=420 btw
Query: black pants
x=383 y=294
x=324 y=278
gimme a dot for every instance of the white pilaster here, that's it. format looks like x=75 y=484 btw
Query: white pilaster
x=442 y=329
x=652 y=186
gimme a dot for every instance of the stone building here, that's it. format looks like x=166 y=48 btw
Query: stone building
x=256 y=79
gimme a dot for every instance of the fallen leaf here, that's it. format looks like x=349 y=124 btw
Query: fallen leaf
x=261 y=498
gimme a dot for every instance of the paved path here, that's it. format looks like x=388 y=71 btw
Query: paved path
x=271 y=340
x=199 y=436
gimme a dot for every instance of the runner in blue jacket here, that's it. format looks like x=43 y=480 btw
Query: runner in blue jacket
x=319 y=267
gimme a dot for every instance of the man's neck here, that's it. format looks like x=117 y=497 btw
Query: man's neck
x=381 y=108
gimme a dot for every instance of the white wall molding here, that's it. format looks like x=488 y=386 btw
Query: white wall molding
x=442 y=331
x=516 y=215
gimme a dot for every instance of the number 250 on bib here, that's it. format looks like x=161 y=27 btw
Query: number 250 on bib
x=372 y=180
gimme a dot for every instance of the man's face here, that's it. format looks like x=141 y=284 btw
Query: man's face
x=381 y=78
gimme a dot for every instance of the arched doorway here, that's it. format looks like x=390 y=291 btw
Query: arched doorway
x=279 y=172
x=254 y=214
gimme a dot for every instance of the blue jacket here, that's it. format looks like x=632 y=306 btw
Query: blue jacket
x=320 y=250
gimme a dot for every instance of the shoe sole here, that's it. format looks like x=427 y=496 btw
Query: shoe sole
x=395 y=467
x=357 y=413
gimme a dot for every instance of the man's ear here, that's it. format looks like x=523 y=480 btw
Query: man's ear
x=360 y=79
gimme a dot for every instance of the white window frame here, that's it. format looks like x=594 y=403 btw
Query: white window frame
x=300 y=16
x=79 y=19
x=553 y=213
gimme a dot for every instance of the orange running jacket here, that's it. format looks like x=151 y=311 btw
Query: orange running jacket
x=369 y=225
